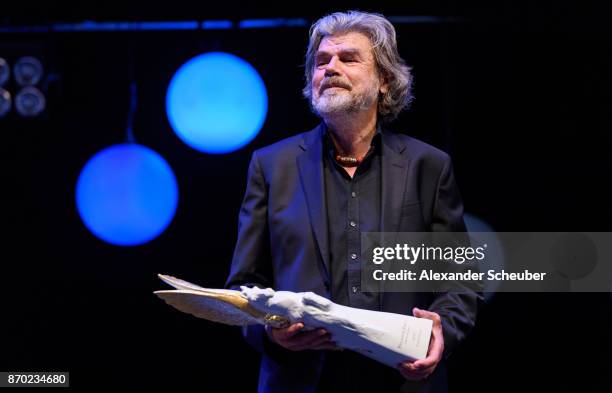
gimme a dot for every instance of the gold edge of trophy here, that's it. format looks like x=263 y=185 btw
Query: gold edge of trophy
x=241 y=303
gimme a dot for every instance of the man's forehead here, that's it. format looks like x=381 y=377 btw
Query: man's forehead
x=353 y=41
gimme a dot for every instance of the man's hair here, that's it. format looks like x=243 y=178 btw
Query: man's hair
x=384 y=48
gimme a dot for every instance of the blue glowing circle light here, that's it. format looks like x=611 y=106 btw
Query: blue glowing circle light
x=216 y=103
x=126 y=194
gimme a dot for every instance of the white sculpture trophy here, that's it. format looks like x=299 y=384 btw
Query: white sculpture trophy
x=386 y=337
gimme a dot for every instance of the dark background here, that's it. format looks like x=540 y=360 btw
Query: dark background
x=519 y=93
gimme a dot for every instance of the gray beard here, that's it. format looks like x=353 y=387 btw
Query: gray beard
x=342 y=103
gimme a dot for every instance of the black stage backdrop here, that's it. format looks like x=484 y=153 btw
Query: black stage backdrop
x=518 y=93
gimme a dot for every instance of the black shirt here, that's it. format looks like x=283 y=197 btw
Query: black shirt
x=353 y=206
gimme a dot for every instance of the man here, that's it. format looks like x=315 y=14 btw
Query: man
x=309 y=197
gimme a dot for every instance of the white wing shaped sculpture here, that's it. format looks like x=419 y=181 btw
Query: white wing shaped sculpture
x=386 y=337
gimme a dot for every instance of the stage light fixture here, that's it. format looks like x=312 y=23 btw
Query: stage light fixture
x=5 y=71
x=28 y=71
x=5 y=102
x=30 y=102
x=127 y=194
x=216 y=102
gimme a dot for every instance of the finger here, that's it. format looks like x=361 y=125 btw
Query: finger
x=304 y=336
x=410 y=375
x=311 y=343
x=329 y=346
x=433 y=356
x=436 y=349
x=282 y=335
x=418 y=374
x=302 y=347
x=293 y=330
x=410 y=367
x=417 y=312
x=436 y=345
x=423 y=369
x=325 y=339
x=429 y=361
x=309 y=336
x=415 y=374
x=306 y=339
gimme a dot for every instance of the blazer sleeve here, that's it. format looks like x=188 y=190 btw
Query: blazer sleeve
x=457 y=306
x=251 y=262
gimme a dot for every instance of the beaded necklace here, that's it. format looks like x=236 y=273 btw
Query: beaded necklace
x=348 y=160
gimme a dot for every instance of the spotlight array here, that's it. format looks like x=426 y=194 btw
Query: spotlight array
x=23 y=79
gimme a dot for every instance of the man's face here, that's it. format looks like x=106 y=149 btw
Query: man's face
x=345 y=78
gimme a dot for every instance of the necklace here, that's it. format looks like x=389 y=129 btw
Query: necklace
x=348 y=160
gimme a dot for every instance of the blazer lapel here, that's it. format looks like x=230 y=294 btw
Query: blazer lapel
x=394 y=170
x=394 y=165
x=310 y=164
x=393 y=179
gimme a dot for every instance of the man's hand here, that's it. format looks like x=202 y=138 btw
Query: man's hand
x=421 y=369
x=294 y=339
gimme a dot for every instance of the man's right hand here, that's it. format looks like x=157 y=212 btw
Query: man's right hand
x=294 y=338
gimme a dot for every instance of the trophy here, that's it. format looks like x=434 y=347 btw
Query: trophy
x=386 y=337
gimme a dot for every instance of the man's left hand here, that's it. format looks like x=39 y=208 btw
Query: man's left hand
x=421 y=369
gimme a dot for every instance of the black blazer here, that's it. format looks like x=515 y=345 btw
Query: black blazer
x=282 y=239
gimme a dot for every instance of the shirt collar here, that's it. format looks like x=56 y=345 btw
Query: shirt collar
x=376 y=139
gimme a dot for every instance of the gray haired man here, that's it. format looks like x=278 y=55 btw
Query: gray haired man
x=309 y=197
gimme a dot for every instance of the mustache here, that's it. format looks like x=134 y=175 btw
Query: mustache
x=335 y=82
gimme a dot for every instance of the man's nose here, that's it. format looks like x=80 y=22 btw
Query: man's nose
x=332 y=67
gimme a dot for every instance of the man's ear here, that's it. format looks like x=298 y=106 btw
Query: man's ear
x=384 y=85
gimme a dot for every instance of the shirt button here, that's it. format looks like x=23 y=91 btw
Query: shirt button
x=353 y=194
x=355 y=289
x=353 y=256
x=353 y=224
